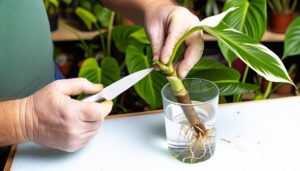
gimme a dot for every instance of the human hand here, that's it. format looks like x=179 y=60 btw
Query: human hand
x=165 y=25
x=55 y=120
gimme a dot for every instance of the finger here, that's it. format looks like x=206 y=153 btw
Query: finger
x=94 y=112
x=157 y=37
x=77 y=86
x=175 y=32
x=192 y=54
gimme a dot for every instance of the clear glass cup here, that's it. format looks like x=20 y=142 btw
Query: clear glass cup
x=184 y=143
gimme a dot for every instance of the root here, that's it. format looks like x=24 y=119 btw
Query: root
x=199 y=146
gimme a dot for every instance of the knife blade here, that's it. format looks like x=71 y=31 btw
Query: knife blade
x=118 y=87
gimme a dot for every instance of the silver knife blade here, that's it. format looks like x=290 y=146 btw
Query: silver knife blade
x=118 y=87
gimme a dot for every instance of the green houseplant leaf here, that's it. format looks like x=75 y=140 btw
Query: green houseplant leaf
x=110 y=71
x=121 y=36
x=292 y=39
x=90 y=70
x=149 y=87
x=232 y=88
x=227 y=79
x=140 y=36
x=102 y=14
x=262 y=60
x=258 y=57
x=250 y=18
x=87 y=17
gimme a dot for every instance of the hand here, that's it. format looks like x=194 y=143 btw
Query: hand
x=55 y=120
x=165 y=25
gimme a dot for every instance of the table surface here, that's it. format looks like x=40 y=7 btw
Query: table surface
x=251 y=136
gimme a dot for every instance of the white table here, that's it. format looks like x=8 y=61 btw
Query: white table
x=260 y=135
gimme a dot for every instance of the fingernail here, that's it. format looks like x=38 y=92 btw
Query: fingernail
x=184 y=73
x=165 y=60
x=107 y=102
x=98 y=87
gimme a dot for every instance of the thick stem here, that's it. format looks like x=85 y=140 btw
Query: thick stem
x=182 y=96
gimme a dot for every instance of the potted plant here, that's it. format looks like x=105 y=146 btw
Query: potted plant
x=52 y=8
x=282 y=14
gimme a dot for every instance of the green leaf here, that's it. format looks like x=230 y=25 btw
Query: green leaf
x=55 y=3
x=250 y=18
x=258 y=57
x=292 y=39
x=140 y=36
x=217 y=75
x=68 y=2
x=149 y=87
x=102 y=14
x=233 y=88
x=110 y=71
x=90 y=70
x=87 y=17
x=208 y=64
x=121 y=36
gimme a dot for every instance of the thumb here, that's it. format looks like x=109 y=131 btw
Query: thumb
x=94 y=112
x=77 y=86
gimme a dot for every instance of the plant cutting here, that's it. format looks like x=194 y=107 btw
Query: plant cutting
x=283 y=12
x=254 y=54
x=52 y=7
x=133 y=42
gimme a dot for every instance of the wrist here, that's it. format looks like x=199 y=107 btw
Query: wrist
x=25 y=118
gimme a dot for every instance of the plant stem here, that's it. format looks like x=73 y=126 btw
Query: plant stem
x=181 y=40
x=294 y=5
x=239 y=96
x=268 y=90
x=182 y=96
x=110 y=27
x=101 y=38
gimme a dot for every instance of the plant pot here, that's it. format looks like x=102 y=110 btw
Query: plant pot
x=297 y=91
x=127 y=21
x=183 y=141
x=63 y=63
x=239 y=65
x=281 y=21
x=53 y=21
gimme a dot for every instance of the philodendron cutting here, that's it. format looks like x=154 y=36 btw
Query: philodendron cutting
x=255 y=55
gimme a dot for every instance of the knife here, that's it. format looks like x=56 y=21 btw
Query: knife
x=118 y=87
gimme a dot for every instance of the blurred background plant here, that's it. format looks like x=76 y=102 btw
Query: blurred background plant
x=120 y=49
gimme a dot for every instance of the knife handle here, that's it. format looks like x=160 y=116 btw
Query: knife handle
x=94 y=98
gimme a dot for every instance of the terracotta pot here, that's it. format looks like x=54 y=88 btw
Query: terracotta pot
x=298 y=90
x=281 y=21
x=239 y=65
x=127 y=21
x=63 y=63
